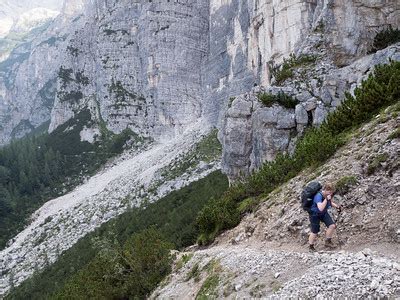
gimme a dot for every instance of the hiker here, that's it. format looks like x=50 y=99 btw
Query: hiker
x=319 y=213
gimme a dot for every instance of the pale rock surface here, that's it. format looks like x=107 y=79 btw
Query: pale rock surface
x=252 y=136
x=28 y=78
x=156 y=67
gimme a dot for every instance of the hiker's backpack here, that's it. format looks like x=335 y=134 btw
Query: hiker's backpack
x=308 y=193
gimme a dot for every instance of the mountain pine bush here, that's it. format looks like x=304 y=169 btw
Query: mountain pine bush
x=385 y=38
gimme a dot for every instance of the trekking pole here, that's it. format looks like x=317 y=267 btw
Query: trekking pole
x=340 y=242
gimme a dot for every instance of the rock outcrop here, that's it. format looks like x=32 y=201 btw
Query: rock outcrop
x=253 y=133
x=157 y=66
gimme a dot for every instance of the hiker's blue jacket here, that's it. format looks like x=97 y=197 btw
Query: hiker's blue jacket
x=318 y=198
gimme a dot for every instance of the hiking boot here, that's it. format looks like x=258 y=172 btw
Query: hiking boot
x=311 y=248
x=329 y=243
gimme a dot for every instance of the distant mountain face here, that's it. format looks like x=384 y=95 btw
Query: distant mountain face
x=11 y=12
x=158 y=66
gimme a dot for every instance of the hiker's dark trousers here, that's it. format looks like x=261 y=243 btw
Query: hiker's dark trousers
x=316 y=219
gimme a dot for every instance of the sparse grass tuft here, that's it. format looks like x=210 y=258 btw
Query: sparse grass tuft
x=184 y=260
x=345 y=183
x=208 y=289
x=395 y=134
x=194 y=273
x=376 y=162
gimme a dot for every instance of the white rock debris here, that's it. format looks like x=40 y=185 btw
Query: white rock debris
x=251 y=271
x=61 y=222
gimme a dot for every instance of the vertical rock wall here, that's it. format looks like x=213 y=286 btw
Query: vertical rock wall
x=142 y=60
x=157 y=66
x=244 y=37
x=336 y=33
x=28 y=77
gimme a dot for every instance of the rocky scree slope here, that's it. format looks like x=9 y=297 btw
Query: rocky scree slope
x=145 y=175
x=266 y=254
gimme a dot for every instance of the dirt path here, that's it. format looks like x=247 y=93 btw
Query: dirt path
x=279 y=271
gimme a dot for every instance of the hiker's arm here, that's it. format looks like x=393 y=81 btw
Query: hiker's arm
x=321 y=205
x=337 y=206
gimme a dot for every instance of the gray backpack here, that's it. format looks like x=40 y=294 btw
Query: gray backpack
x=308 y=193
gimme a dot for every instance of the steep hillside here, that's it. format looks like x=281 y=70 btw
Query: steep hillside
x=266 y=255
x=130 y=180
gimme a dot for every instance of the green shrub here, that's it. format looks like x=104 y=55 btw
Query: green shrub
x=385 y=38
x=281 y=99
x=286 y=70
x=314 y=148
x=379 y=90
x=132 y=270
x=344 y=184
x=248 y=205
x=395 y=134
x=376 y=162
x=218 y=215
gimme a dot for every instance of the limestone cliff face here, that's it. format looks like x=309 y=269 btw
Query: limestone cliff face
x=157 y=66
x=335 y=34
x=139 y=62
x=245 y=36
x=28 y=77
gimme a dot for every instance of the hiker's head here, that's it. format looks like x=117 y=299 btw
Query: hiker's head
x=328 y=190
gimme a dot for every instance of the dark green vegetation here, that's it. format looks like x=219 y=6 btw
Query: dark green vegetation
x=376 y=162
x=287 y=68
x=124 y=97
x=281 y=98
x=207 y=150
x=67 y=76
x=380 y=90
x=345 y=184
x=385 y=38
x=77 y=274
x=38 y=168
x=132 y=270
